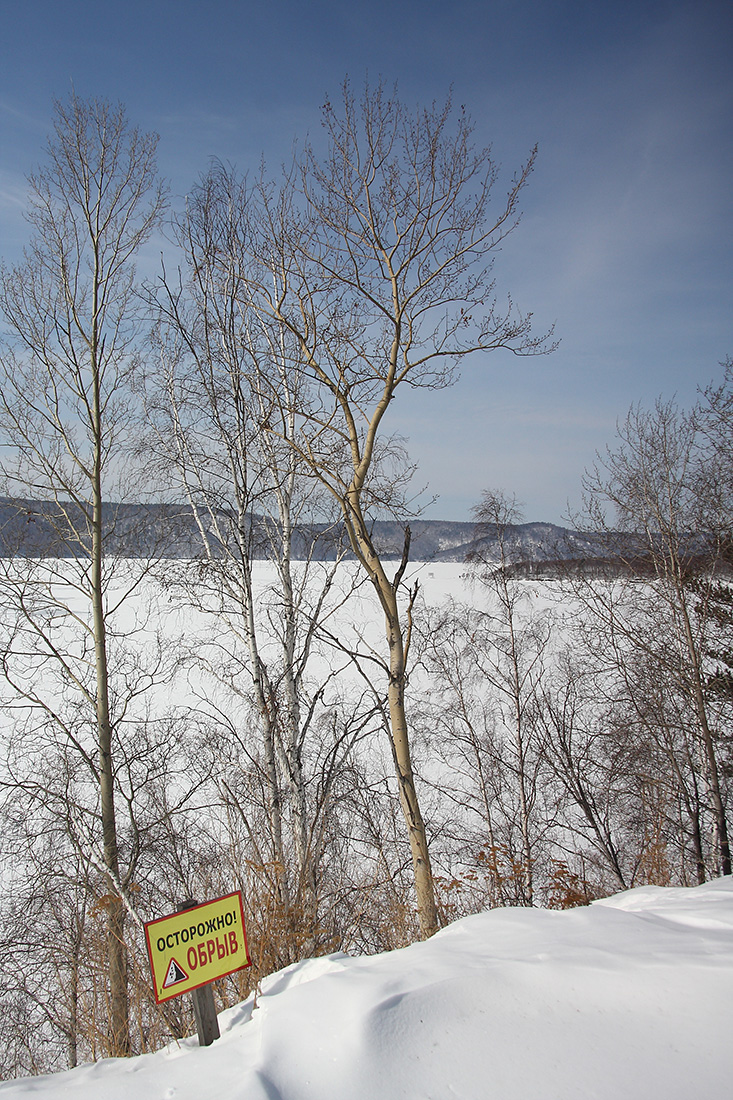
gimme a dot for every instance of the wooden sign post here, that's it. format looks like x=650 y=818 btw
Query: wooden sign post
x=193 y=947
x=204 y=1009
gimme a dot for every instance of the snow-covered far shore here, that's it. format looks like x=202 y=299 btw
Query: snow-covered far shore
x=628 y=998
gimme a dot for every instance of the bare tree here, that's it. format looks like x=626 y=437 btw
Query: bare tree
x=224 y=372
x=598 y=766
x=65 y=418
x=485 y=660
x=713 y=418
x=655 y=487
x=510 y=654
x=383 y=263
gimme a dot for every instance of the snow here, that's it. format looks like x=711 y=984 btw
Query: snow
x=629 y=997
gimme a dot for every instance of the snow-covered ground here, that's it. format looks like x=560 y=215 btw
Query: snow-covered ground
x=629 y=999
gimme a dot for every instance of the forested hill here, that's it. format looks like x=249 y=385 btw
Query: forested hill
x=43 y=529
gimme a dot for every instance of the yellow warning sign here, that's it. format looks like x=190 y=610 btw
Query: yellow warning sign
x=197 y=946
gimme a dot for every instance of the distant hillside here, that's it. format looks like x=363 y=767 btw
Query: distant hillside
x=443 y=540
x=42 y=529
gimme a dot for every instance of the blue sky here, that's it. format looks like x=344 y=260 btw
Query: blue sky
x=625 y=241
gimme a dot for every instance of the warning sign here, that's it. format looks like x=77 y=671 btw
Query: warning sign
x=197 y=946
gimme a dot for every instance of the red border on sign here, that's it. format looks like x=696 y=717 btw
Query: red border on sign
x=179 y=912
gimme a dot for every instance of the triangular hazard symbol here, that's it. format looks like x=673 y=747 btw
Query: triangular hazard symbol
x=175 y=974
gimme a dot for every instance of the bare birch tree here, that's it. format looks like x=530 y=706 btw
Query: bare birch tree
x=385 y=283
x=65 y=419
x=225 y=371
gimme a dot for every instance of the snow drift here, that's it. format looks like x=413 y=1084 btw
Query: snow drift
x=629 y=998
